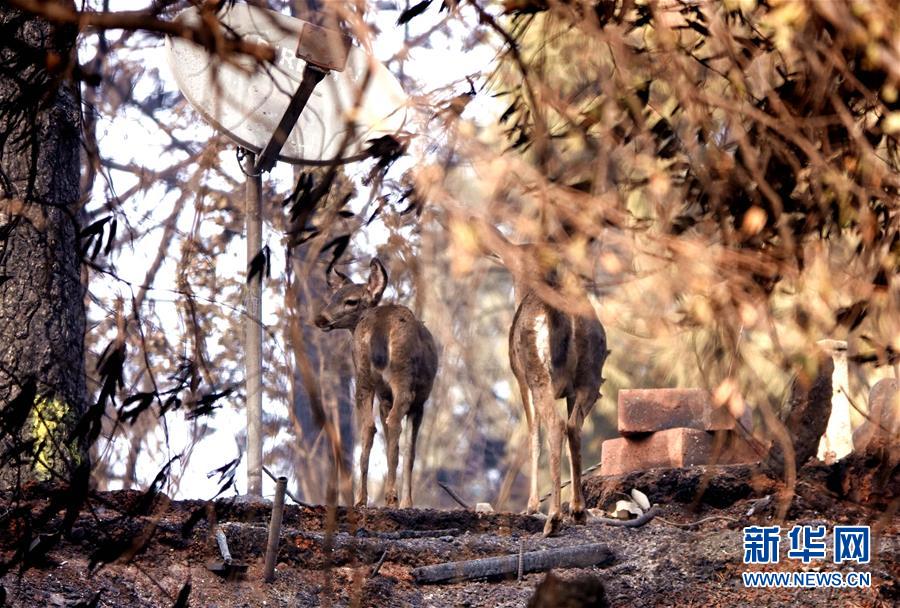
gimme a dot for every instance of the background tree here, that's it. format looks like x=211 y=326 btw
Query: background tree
x=42 y=323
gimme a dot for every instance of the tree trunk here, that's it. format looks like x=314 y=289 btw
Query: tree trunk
x=329 y=354
x=335 y=375
x=42 y=317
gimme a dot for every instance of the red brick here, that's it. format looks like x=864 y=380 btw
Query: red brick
x=658 y=409
x=673 y=448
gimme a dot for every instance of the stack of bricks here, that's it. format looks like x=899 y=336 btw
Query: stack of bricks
x=673 y=428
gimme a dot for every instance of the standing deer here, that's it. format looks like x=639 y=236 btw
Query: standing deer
x=395 y=358
x=555 y=354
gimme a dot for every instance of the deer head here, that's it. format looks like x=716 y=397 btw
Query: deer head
x=349 y=300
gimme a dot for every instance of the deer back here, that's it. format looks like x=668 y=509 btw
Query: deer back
x=391 y=344
x=550 y=345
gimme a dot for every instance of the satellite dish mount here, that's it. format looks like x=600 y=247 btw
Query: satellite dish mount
x=323 y=50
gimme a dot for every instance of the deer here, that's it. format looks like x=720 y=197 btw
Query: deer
x=554 y=355
x=395 y=359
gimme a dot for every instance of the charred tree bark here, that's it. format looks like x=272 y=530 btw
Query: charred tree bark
x=805 y=418
x=42 y=317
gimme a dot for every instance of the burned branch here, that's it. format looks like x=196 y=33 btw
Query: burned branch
x=583 y=556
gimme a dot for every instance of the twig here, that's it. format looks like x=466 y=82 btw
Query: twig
x=568 y=482
x=214 y=38
x=377 y=567
x=698 y=522
x=629 y=523
x=521 y=560
x=286 y=491
x=454 y=495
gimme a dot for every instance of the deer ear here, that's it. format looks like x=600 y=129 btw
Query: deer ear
x=336 y=279
x=377 y=280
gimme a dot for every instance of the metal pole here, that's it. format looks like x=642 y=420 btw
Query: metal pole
x=253 y=330
x=275 y=529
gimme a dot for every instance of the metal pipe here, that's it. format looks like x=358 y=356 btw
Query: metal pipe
x=275 y=529
x=253 y=330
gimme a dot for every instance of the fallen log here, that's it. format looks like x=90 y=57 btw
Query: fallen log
x=582 y=556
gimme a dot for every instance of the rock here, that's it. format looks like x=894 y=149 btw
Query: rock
x=584 y=591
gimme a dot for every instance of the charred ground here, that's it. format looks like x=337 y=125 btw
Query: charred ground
x=123 y=552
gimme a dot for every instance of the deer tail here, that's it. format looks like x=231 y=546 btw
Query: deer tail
x=378 y=346
x=526 y=400
x=561 y=338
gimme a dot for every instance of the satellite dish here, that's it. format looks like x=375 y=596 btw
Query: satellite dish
x=247 y=101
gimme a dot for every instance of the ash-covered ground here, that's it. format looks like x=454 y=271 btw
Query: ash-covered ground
x=156 y=550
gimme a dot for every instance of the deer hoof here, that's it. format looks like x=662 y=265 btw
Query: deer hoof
x=579 y=516
x=390 y=500
x=551 y=527
x=360 y=503
x=406 y=503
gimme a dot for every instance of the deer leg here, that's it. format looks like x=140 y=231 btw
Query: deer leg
x=534 y=440
x=365 y=424
x=579 y=408
x=585 y=399
x=555 y=428
x=392 y=428
x=415 y=420
x=534 y=447
x=573 y=433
